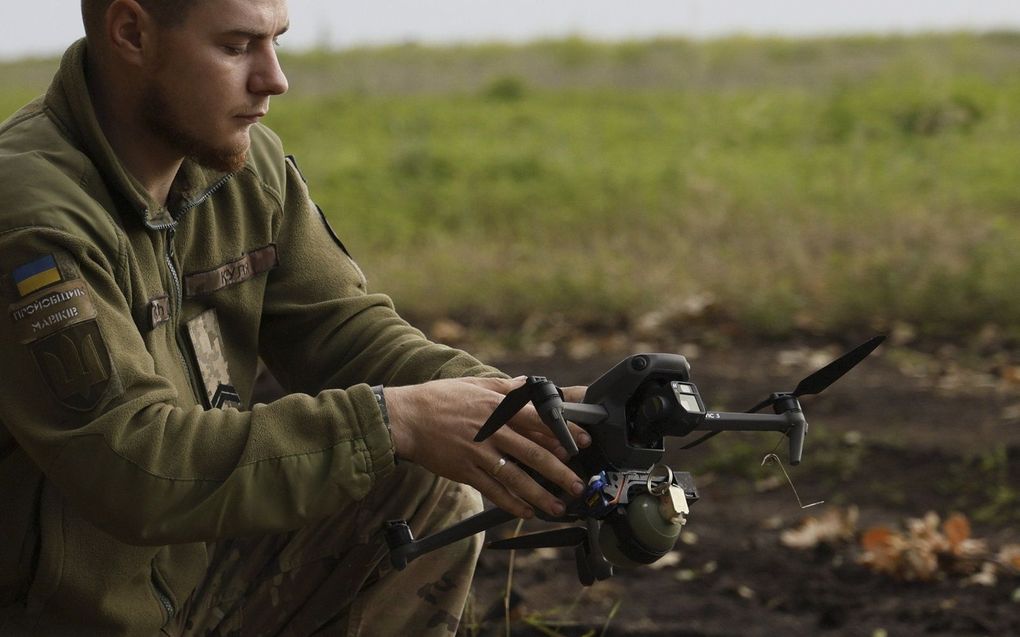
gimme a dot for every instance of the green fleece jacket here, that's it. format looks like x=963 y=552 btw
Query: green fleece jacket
x=128 y=353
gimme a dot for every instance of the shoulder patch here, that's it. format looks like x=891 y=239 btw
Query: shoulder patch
x=35 y=275
x=50 y=310
x=75 y=364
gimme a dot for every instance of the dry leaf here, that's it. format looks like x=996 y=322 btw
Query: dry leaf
x=877 y=537
x=1009 y=555
x=957 y=529
x=985 y=577
x=927 y=550
x=833 y=526
x=882 y=550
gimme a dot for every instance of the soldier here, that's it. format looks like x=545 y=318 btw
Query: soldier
x=154 y=242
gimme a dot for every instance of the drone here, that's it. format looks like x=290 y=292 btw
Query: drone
x=634 y=507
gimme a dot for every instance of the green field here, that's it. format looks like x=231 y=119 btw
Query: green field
x=821 y=185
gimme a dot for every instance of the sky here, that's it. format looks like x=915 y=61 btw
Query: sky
x=46 y=27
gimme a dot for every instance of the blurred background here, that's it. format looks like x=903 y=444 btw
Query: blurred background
x=758 y=186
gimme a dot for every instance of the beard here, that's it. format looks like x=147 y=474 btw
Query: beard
x=159 y=115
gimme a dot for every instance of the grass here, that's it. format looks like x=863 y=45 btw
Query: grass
x=987 y=482
x=829 y=185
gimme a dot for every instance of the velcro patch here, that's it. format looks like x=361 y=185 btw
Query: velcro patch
x=243 y=269
x=158 y=311
x=75 y=365
x=225 y=396
x=50 y=310
x=207 y=345
x=36 y=275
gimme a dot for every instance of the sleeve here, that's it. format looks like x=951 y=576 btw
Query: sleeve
x=321 y=327
x=81 y=395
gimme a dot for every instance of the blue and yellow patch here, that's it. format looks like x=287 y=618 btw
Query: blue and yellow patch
x=36 y=275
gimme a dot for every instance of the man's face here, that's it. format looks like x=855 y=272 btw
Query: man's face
x=213 y=77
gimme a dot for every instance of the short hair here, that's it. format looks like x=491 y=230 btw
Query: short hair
x=168 y=13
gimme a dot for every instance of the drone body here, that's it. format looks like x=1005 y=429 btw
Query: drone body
x=634 y=507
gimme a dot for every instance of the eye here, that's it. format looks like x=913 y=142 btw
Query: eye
x=235 y=50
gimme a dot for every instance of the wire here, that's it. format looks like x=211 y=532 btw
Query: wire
x=774 y=458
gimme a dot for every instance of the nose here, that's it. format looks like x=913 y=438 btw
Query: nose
x=268 y=77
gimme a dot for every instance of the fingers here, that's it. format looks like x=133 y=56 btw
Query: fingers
x=546 y=438
x=581 y=437
x=518 y=492
x=495 y=492
x=527 y=422
x=546 y=464
x=550 y=442
x=573 y=394
x=500 y=385
x=434 y=424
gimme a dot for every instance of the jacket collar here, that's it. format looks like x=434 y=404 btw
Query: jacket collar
x=69 y=100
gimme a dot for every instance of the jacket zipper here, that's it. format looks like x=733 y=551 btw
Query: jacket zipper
x=178 y=294
x=164 y=600
x=175 y=309
x=208 y=193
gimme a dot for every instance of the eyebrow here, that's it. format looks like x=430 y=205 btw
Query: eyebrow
x=256 y=34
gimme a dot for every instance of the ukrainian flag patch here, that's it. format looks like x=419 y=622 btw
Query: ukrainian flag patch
x=36 y=275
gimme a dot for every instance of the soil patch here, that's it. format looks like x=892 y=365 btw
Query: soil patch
x=903 y=434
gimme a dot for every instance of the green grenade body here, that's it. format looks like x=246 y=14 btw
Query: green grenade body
x=652 y=535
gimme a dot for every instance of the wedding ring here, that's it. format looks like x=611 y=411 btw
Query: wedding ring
x=499 y=465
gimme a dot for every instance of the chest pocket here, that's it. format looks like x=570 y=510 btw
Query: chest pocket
x=238 y=271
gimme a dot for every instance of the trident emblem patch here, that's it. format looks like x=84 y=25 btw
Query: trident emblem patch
x=75 y=365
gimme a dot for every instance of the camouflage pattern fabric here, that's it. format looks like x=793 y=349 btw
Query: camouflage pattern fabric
x=334 y=578
x=207 y=343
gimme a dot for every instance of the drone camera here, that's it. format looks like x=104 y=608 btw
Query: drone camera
x=665 y=406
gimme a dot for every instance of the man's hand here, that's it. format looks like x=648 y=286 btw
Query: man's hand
x=434 y=425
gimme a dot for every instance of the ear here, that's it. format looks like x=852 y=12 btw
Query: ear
x=129 y=31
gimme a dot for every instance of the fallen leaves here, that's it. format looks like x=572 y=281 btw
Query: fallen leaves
x=833 y=526
x=925 y=549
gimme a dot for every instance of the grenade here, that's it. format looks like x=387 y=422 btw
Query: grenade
x=638 y=533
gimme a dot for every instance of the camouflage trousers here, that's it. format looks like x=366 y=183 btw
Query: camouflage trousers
x=334 y=578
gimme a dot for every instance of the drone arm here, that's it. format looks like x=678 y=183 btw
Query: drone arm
x=555 y=414
x=791 y=423
x=404 y=548
x=584 y=413
x=730 y=421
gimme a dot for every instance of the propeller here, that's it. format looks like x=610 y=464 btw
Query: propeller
x=815 y=383
x=569 y=536
x=591 y=564
x=548 y=402
x=820 y=380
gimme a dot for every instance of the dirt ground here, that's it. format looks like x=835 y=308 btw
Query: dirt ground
x=905 y=433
